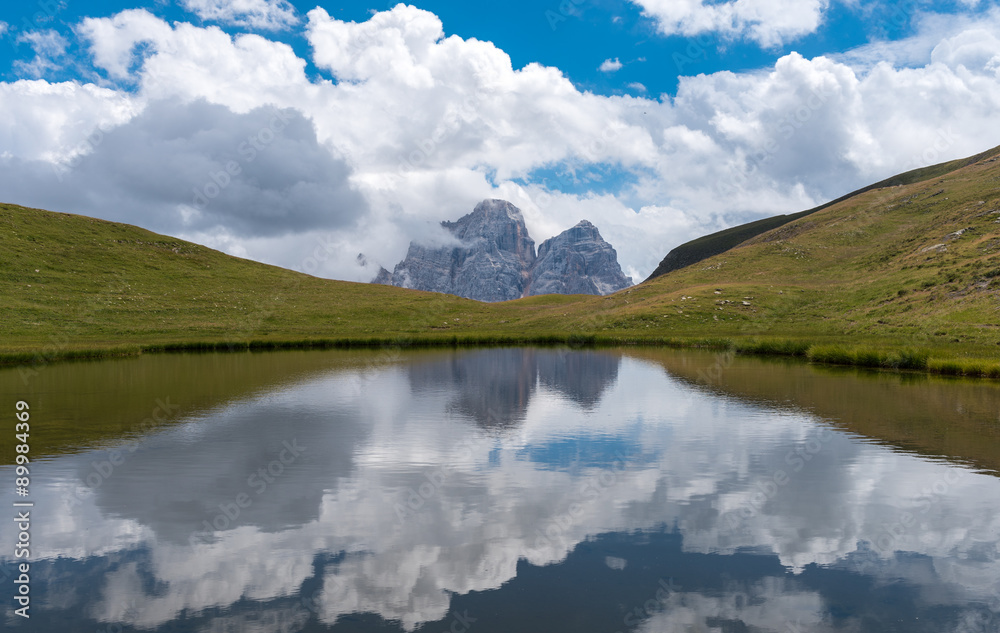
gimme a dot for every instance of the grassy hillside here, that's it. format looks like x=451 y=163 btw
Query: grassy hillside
x=73 y=286
x=860 y=281
x=74 y=281
x=915 y=264
x=708 y=245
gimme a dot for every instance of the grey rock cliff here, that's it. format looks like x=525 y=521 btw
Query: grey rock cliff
x=577 y=261
x=493 y=259
x=384 y=277
x=491 y=263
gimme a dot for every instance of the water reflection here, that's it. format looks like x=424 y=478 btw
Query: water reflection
x=494 y=386
x=601 y=494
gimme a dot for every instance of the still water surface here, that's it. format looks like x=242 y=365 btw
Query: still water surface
x=502 y=490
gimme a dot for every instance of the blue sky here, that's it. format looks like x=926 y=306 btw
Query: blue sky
x=658 y=120
x=576 y=37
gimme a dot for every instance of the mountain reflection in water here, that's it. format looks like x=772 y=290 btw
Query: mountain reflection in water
x=494 y=386
x=509 y=489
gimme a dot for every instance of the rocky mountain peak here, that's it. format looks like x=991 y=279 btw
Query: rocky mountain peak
x=577 y=261
x=496 y=261
x=500 y=225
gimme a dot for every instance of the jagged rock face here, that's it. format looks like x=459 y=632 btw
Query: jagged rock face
x=384 y=277
x=577 y=261
x=495 y=260
x=492 y=264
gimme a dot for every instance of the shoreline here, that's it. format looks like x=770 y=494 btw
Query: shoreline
x=884 y=357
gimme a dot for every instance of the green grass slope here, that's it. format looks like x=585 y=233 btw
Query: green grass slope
x=71 y=281
x=708 y=245
x=889 y=277
x=915 y=264
x=74 y=286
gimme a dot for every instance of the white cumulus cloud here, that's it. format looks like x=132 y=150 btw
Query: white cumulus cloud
x=610 y=65
x=770 y=23
x=48 y=46
x=426 y=125
x=54 y=122
x=259 y=14
x=113 y=40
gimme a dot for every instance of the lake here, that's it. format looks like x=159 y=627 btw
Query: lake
x=502 y=490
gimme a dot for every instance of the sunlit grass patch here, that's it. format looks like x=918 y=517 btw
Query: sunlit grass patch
x=772 y=347
x=911 y=359
x=964 y=367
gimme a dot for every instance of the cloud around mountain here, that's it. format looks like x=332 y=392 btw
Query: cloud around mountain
x=395 y=125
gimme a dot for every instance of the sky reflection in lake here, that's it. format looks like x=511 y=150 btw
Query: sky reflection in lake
x=509 y=489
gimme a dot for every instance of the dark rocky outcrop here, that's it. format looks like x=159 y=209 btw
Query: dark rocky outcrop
x=493 y=259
